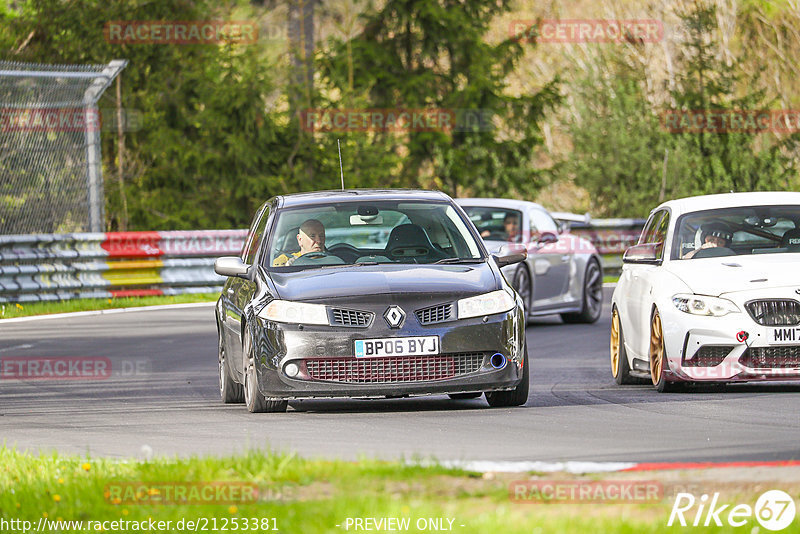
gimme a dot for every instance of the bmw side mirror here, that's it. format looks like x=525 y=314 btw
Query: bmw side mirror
x=646 y=253
x=231 y=266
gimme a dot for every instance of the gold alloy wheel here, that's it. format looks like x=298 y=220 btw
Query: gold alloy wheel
x=656 y=348
x=614 y=344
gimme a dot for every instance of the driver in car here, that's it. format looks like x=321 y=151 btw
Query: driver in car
x=714 y=235
x=511 y=226
x=311 y=238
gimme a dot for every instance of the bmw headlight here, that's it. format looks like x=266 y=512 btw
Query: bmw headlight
x=703 y=305
x=486 y=304
x=284 y=311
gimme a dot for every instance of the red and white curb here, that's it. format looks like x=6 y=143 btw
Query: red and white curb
x=575 y=467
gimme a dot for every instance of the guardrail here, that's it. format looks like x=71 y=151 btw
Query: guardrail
x=611 y=237
x=115 y=264
x=119 y=264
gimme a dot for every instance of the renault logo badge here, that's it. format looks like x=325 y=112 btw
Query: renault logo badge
x=394 y=316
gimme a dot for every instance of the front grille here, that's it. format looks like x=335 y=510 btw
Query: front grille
x=709 y=356
x=774 y=312
x=394 y=369
x=343 y=317
x=435 y=314
x=771 y=357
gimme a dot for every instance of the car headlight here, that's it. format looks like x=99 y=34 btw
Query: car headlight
x=703 y=305
x=284 y=311
x=487 y=304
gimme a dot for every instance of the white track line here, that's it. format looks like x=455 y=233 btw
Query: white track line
x=487 y=466
x=106 y=312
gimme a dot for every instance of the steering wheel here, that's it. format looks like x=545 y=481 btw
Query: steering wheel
x=497 y=235
x=318 y=257
x=346 y=251
x=714 y=252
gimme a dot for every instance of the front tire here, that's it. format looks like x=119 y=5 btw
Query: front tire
x=620 y=368
x=592 y=305
x=230 y=391
x=523 y=286
x=517 y=396
x=659 y=365
x=255 y=401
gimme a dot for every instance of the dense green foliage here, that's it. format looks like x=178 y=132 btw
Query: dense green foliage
x=211 y=147
x=628 y=158
x=220 y=132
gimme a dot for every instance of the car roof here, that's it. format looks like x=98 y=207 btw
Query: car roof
x=730 y=200
x=499 y=203
x=346 y=195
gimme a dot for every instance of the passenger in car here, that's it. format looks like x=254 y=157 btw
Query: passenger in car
x=310 y=237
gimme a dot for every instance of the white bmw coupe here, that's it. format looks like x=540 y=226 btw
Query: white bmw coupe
x=711 y=293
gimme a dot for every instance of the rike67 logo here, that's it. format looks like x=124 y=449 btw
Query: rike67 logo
x=774 y=510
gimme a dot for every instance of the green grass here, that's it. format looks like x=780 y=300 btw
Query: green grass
x=303 y=495
x=25 y=309
x=610 y=278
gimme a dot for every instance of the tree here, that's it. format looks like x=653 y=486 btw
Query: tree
x=618 y=146
x=708 y=81
x=208 y=152
x=416 y=54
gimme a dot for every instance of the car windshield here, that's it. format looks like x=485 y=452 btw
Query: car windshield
x=738 y=231
x=369 y=232
x=496 y=224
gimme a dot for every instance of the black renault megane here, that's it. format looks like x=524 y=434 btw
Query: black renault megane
x=368 y=293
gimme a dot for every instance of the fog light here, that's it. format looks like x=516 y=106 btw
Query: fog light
x=291 y=370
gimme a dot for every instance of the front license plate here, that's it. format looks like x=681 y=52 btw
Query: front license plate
x=397 y=346
x=789 y=335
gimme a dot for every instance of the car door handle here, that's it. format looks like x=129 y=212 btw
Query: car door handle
x=565 y=257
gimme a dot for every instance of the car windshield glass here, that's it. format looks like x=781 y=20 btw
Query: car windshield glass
x=368 y=232
x=496 y=224
x=737 y=231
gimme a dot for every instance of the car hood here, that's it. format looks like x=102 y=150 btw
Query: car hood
x=715 y=276
x=349 y=282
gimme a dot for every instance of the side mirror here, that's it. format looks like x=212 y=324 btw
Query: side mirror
x=510 y=254
x=547 y=238
x=646 y=253
x=231 y=266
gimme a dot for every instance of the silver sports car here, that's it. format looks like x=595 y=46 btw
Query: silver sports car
x=562 y=273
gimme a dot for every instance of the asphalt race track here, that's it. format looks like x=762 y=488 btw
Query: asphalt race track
x=161 y=396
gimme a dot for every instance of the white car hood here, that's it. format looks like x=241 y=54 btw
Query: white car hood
x=715 y=276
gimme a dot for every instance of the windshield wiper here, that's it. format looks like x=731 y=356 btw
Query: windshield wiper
x=460 y=260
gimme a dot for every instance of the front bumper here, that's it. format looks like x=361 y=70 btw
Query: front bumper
x=281 y=344
x=712 y=349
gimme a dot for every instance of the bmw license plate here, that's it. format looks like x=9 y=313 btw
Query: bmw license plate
x=789 y=335
x=397 y=346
